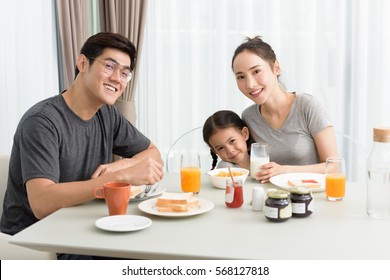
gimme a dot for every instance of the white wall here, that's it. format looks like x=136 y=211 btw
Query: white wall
x=335 y=50
x=28 y=59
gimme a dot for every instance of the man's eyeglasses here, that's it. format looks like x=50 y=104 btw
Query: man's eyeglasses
x=110 y=67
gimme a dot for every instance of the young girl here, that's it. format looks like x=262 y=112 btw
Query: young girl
x=228 y=137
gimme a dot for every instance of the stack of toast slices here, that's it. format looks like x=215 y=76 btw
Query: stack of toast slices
x=176 y=202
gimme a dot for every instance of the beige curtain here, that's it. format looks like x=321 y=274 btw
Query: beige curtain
x=73 y=31
x=127 y=18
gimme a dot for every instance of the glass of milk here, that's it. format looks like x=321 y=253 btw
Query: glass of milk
x=259 y=156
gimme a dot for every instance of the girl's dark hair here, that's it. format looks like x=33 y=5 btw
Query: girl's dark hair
x=95 y=45
x=220 y=120
x=257 y=46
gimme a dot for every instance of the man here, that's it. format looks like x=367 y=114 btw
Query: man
x=63 y=145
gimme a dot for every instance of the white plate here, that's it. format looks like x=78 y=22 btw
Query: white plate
x=282 y=180
x=149 y=206
x=159 y=189
x=122 y=223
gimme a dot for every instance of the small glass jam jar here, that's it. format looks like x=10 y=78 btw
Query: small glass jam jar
x=301 y=201
x=277 y=206
x=234 y=196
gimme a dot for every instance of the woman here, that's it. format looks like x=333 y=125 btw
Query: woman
x=296 y=126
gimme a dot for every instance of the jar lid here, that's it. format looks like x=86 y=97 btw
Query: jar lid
x=382 y=134
x=278 y=194
x=300 y=190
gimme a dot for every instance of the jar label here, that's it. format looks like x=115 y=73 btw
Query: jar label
x=229 y=195
x=299 y=208
x=271 y=212
x=286 y=212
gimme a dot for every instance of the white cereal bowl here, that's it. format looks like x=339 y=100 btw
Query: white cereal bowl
x=220 y=181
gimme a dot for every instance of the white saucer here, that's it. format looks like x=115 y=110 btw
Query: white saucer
x=282 y=180
x=149 y=207
x=122 y=223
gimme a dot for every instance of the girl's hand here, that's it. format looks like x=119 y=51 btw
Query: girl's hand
x=269 y=170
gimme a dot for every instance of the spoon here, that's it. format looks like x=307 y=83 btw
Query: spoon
x=231 y=175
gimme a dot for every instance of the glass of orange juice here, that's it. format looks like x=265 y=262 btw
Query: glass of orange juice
x=335 y=178
x=190 y=173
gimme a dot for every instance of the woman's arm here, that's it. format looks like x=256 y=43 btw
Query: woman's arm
x=326 y=145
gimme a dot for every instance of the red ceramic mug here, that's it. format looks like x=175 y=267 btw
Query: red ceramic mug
x=117 y=196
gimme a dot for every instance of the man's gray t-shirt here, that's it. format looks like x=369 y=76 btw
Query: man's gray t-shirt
x=52 y=142
x=292 y=143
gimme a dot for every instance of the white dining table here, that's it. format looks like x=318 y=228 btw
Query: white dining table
x=335 y=231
